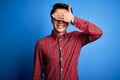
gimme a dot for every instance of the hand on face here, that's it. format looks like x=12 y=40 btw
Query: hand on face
x=66 y=17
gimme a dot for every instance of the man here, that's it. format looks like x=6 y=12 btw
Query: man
x=57 y=55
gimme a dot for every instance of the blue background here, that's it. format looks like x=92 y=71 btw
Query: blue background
x=23 y=22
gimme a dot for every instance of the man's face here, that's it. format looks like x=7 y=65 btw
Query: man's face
x=59 y=25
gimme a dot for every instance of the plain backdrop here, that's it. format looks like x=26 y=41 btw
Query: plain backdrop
x=23 y=22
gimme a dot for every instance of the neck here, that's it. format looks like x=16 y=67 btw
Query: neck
x=58 y=33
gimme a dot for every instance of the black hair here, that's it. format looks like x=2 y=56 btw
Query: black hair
x=59 y=6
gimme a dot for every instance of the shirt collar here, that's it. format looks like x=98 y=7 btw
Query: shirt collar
x=58 y=37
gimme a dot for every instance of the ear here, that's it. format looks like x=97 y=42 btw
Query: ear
x=53 y=15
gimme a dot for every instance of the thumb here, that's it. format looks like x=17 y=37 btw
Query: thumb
x=69 y=9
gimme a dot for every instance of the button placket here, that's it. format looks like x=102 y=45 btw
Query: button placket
x=61 y=55
x=60 y=46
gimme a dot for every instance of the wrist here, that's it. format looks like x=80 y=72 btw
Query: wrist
x=72 y=20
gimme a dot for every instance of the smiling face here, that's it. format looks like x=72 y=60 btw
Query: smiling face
x=60 y=26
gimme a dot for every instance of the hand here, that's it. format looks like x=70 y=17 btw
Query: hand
x=66 y=17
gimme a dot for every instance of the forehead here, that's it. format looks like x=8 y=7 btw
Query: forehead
x=60 y=11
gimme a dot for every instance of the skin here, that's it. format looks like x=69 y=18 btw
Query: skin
x=61 y=20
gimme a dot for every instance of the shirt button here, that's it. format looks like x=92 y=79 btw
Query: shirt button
x=60 y=48
x=60 y=39
x=61 y=59
x=61 y=70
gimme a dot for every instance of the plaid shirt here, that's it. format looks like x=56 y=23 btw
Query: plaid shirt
x=57 y=57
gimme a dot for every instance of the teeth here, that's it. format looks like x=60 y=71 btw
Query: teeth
x=60 y=26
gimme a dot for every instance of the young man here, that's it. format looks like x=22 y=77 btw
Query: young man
x=57 y=55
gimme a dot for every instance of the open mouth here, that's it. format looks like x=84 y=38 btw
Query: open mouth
x=60 y=26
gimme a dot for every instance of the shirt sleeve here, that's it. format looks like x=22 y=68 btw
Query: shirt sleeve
x=90 y=32
x=38 y=64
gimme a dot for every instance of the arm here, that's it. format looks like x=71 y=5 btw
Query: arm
x=37 y=71
x=90 y=31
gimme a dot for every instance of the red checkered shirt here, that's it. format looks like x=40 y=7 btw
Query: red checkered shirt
x=57 y=57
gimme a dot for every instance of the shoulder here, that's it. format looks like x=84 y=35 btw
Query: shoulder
x=41 y=42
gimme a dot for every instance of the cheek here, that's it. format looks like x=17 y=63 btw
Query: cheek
x=54 y=24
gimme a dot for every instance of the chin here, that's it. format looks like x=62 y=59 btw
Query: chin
x=61 y=31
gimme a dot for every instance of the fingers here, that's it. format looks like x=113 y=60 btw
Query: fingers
x=66 y=16
x=58 y=16
x=69 y=9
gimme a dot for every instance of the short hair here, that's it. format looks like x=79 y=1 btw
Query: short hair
x=59 y=6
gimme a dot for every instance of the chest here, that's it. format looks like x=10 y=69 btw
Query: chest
x=54 y=49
